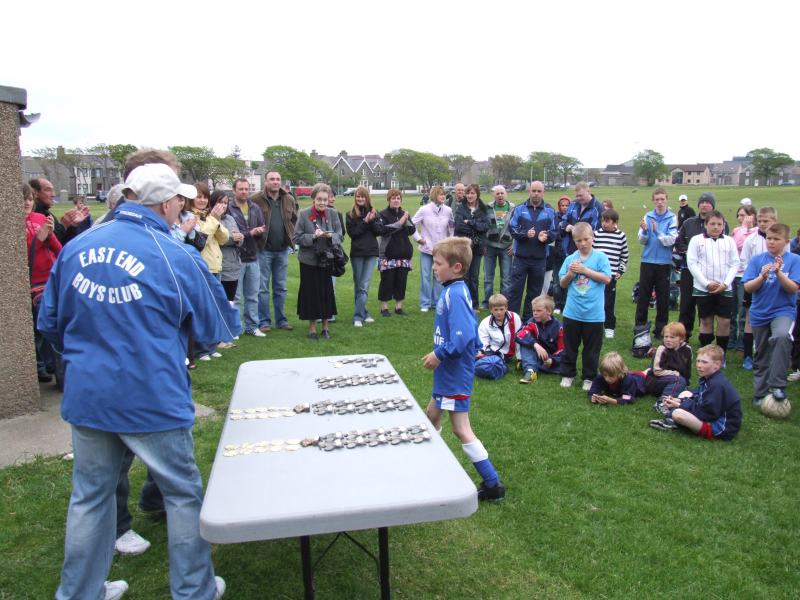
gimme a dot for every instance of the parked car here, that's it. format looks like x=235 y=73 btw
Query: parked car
x=301 y=190
x=101 y=196
x=349 y=192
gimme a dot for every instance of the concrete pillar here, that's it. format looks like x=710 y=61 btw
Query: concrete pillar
x=19 y=387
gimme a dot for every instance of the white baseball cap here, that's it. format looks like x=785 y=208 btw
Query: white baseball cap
x=746 y=202
x=157 y=183
x=683 y=197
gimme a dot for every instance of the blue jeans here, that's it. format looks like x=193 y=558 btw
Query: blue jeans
x=428 y=294
x=532 y=362
x=90 y=535
x=248 y=286
x=363 y=269
x=274 y=267
x=493 y=255
x=150 y=499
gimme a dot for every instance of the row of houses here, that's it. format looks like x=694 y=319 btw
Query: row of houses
x=88 y=175
x=737 y=171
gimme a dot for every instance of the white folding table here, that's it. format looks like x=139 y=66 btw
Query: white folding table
x=272 y=495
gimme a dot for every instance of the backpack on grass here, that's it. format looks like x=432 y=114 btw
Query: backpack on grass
x=641 y=340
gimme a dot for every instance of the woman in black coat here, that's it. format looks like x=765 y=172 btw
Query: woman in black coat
x=472 y=221
x=395 y=252
x=318 y=229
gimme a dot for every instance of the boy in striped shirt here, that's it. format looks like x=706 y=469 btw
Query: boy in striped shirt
x=611 y=241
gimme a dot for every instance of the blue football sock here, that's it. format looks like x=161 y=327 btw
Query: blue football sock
x=487 y=472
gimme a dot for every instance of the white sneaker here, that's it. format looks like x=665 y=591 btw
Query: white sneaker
x=357 y=324
x=187 y=362
x=216 y=355
x=556 y=311
x=609 y=334
x=424 y=309
x=257 y=333
x=204 y=357
x=566 y=382
x=369 y=320
x=131 y=543
x=220 y=587
x=794 y=376
x=587 y=385
x=114 y=590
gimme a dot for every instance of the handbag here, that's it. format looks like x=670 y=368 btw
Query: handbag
x=198 y=241
x=340 y=260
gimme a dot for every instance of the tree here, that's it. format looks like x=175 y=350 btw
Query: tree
x=459 y=164
x=225 y=170
x=119 y=152
x=505 y=167
x=543 y=166
x=566 y=166
x=649 y=165
x=293 y=165
x=415 y=167
x=767 y=163
x=196 y=161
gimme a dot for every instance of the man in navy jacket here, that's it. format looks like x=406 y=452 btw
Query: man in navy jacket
x=533 y=227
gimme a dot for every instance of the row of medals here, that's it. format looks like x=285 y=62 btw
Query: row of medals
x=326 y=407
x=345 y=381
x=414 y=434
x=368 y=362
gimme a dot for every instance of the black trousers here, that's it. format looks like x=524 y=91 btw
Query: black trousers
x=650 y=276
x=687 y=306
x=575 y=333
x=393 y=284
x=610 y=302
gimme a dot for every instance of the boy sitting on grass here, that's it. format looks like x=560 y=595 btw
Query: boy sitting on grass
x=455 y=344
x=585 y=272
x=773 y=279
x=497 y=332
x=714 y=410
x=541 y=341
x=615 y=384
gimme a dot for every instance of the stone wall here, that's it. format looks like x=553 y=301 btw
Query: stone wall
x=19 y=387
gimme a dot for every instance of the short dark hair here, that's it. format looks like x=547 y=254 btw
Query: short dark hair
x=610 y=215
x=36 y=183
x=714 y=214
x=779 y=229
x=241 y=180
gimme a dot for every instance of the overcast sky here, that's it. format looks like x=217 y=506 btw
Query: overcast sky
x=601 y=81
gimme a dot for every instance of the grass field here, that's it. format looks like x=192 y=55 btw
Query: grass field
x=599 y=505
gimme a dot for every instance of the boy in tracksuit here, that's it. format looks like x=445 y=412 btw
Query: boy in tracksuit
x=657 y=232
x=541 y=341
x=455 y=344
x=714 y=410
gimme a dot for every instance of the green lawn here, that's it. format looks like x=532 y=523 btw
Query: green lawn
x=598 y=504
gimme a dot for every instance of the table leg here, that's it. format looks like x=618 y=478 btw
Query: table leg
x=383 y=561
x=308 y=572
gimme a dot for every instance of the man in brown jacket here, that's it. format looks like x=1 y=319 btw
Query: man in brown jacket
x=280 y=216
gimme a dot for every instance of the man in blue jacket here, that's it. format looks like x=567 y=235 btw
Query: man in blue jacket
x=585 y=208
x=120 y=304
x=657 y=232
x=533 y=227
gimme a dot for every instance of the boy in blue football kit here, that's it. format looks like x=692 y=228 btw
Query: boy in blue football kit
x=772 y=278
x=455 y=343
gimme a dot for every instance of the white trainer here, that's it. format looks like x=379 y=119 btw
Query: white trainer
x=257 y=333
x=369 y=320
x=114 y=590
x=424 y=309
x=587 y=385
x=357 y=324
x=205 y=357
x=220 y=587
x=566 y=382
x=609 y=334
x=795 y=376
x=216 y=354
x=131 y=543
